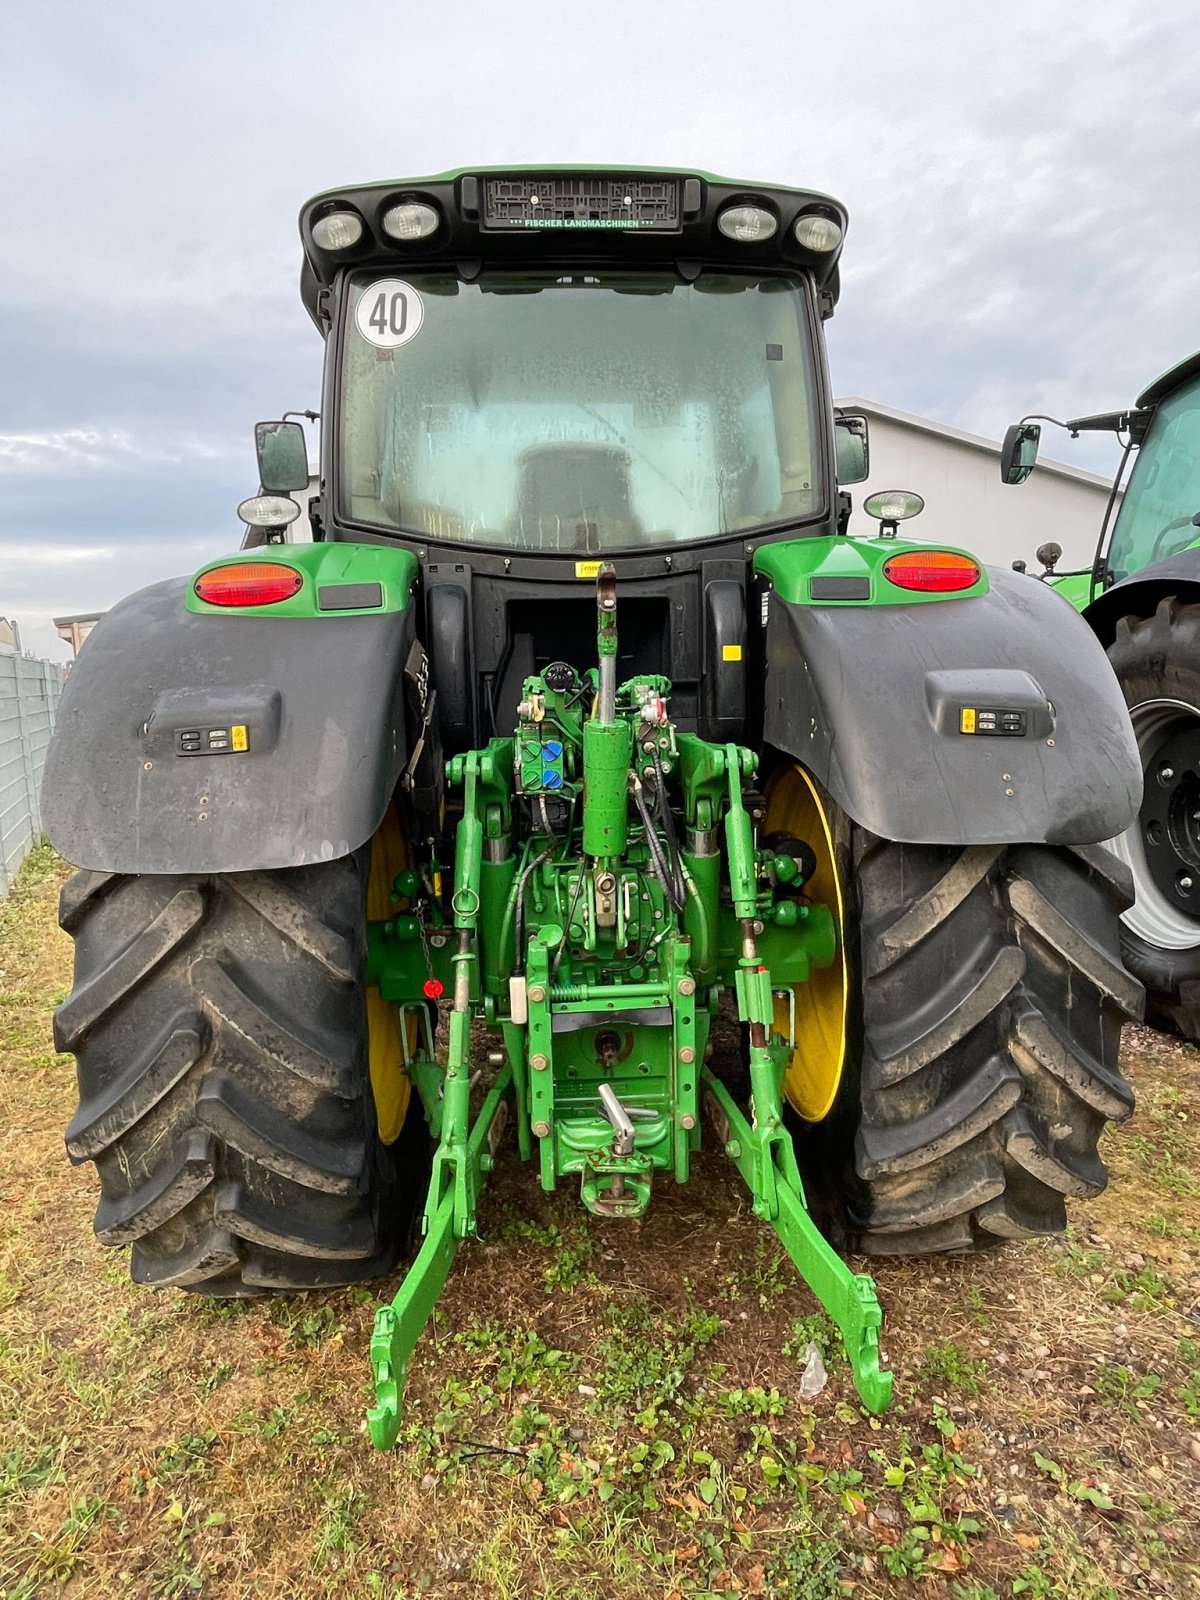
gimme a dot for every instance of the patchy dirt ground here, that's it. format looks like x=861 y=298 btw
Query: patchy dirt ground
x=599 y=1410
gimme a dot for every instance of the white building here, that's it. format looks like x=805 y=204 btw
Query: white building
x=74 y=630
x=965 y=502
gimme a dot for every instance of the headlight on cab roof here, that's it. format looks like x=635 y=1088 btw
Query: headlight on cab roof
x=747 y=224
x=410 y=220
x=815 y=232
x=337 y=230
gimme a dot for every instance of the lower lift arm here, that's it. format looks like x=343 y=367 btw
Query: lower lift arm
x=762 y=1149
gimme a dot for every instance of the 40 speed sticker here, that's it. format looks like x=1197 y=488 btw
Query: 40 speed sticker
x=389 y=313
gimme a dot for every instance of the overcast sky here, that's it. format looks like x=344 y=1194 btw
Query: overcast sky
x=1022 y=182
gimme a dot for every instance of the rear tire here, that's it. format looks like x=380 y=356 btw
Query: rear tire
x=1157 y=663
x=986 y=996
x=992 y=1001
x=220 y=1031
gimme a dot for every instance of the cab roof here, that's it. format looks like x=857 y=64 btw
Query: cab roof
x=553 y=215
x=1169 y=381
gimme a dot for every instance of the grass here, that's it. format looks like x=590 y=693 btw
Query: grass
x=599 y=1408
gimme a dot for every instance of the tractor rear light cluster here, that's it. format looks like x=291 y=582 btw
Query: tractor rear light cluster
x=932 y=571
x=248 y=583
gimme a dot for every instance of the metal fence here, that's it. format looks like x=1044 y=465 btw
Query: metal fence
x=29 y=696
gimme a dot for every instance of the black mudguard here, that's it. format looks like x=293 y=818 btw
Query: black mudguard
x=322 y=703
x=870 y=700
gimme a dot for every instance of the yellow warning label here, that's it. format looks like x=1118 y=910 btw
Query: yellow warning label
x=731 y=652
x=966 y=720
x=237 y=737
x=587 y=569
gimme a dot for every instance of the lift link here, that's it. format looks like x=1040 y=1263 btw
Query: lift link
x=849 y=1297
x=399 y=1325
x=762 y=1149
x=463 y=1153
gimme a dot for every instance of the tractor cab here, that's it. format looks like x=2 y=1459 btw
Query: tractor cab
x=528 y=373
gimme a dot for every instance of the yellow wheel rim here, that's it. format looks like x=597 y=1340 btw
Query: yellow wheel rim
x=814 y=1073
x=390 y=1083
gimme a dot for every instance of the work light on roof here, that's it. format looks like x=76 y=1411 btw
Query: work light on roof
x=816 y=232
x=337 y=230
x=747 y=224
x=409 y=221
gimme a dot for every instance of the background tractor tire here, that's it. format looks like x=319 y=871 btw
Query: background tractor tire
x=1157 y=663
x=986 y=995
x=220 y=1031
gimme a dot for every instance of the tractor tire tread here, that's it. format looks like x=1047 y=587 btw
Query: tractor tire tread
x=990 y=1041
x=1156 y=658
x=235 y=1142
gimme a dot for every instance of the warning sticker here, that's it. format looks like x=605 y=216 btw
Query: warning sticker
x=389 y=314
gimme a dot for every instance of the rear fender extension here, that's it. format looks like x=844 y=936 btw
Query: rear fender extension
x=871 y=701
x=321 y=703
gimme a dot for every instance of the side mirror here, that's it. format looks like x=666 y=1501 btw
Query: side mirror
x=851 y=448
x=1018 y=453
x=282 y=452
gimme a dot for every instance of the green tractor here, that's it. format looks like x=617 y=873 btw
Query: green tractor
x=1141 y=596
x=580 y=722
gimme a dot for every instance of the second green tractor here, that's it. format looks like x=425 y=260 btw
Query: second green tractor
x=1141 y=596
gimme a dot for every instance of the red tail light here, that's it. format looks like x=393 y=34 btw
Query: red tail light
x=932 y=571
x=248 y=583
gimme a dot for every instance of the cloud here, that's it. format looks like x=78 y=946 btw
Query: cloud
x=92 y=449
x=1020 y=182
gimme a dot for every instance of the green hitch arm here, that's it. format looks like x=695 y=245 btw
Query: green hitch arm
x=849 y=1297
x=398 y=1326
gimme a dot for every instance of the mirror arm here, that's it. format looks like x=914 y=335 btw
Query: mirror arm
x=845 y=505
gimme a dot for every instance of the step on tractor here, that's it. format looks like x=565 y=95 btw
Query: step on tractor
x=581 y=723
x=1141 y=596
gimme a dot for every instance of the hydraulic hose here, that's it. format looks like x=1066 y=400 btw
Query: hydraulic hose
x=523 y=879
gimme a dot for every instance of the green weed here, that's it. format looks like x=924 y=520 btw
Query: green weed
x=947 y=1363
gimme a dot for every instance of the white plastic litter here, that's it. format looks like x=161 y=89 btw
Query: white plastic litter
x=814 y=1377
